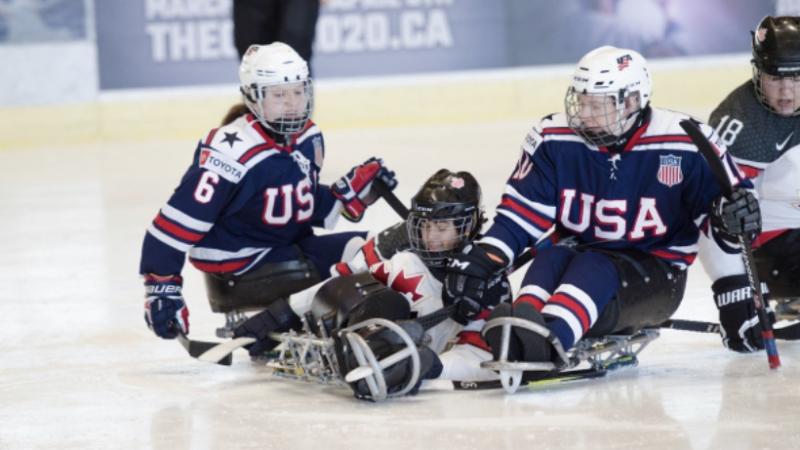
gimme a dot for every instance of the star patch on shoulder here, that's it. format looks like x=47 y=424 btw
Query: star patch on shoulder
x=231 y=138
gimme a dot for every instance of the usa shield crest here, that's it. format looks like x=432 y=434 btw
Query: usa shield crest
x=669 y=172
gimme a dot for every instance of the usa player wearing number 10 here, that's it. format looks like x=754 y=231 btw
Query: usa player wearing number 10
x=759 y=123
x=623 y=181
x=245 y=209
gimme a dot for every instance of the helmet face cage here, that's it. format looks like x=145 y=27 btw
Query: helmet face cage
x=282 y=107
x=609 y=119
x=609 y=88
x=763 y=98
x=435 y=238
x=776 y=65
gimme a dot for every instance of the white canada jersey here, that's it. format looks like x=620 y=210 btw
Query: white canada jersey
x=407 y=274
x=766 y=147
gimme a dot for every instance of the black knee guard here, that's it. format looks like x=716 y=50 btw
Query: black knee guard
x=351 y=299
x=650 y=292
x=778 y=263
x=259 y=288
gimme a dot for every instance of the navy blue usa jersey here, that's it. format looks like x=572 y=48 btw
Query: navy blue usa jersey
x=653 y=196
x=243 y=195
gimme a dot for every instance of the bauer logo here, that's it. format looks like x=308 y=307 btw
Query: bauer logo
x=221 y=165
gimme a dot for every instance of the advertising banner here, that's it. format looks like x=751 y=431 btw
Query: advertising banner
x=31 y=21
x=154 y=43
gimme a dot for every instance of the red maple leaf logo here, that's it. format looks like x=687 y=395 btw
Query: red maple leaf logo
x=407 y=285
x=379 y=272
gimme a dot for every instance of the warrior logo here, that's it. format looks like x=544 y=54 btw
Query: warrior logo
x=669 y=172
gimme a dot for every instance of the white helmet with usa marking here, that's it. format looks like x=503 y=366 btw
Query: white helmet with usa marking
x=276 y=86
x=609 y=88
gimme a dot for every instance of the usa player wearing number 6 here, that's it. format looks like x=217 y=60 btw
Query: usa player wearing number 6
x=245 y=209
x=759 y=122
x=625 y=183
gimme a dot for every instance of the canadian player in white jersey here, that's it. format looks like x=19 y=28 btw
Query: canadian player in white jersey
x=759 y=122
x=445 y=216
x=246 y=208
x=623 y=181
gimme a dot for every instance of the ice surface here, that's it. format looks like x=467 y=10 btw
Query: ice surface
x=79 y=369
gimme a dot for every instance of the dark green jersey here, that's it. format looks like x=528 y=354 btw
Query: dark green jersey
x=754 y=136
x=766 y=146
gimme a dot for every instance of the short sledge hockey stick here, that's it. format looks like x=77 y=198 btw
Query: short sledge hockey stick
x=383 y=190
x=718 y=169
x=213 y=352
x=548 y=380
x=789 y=332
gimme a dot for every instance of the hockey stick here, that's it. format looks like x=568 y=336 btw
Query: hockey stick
x=387 y=194
x=536 y=381
x=691 y=325
x=213 y=352
x=718 y=169
x=786 y=333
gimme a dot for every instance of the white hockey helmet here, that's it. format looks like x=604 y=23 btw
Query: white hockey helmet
x=276 y=86
x=614 y=73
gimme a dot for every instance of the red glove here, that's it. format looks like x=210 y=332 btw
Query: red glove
x=353 y=189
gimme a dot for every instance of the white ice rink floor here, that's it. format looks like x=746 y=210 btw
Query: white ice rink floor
x=79 y=369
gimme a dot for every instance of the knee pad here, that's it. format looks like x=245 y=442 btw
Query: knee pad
x=351 y=299
x=259 y=288
x=650 y=292
x=778 y=264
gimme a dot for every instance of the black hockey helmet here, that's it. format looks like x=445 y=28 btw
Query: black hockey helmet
x=445 y=214
x=776 y=46
x=776 y=52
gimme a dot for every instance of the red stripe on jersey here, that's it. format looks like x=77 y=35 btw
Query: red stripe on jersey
x=222 y=267
x=664 y=139
x=473 y=338
x=749 y=171
x=767 y=236
x=530 y=299
x=177 y=230
x=573 y=306
x=210 y=136
x=342 y=269
x=557 y=130
x=635 y=138
x=256 y=125
x=307 y=126
x=540 y=222
x=370 y=254
x=248 y=155
x=673 y=256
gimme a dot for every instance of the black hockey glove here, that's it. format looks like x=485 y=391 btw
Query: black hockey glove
x=165 y=312
x=471 y=277
x=741 y=330
x=277 y=318
x=738 y=216
x=498 y=291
